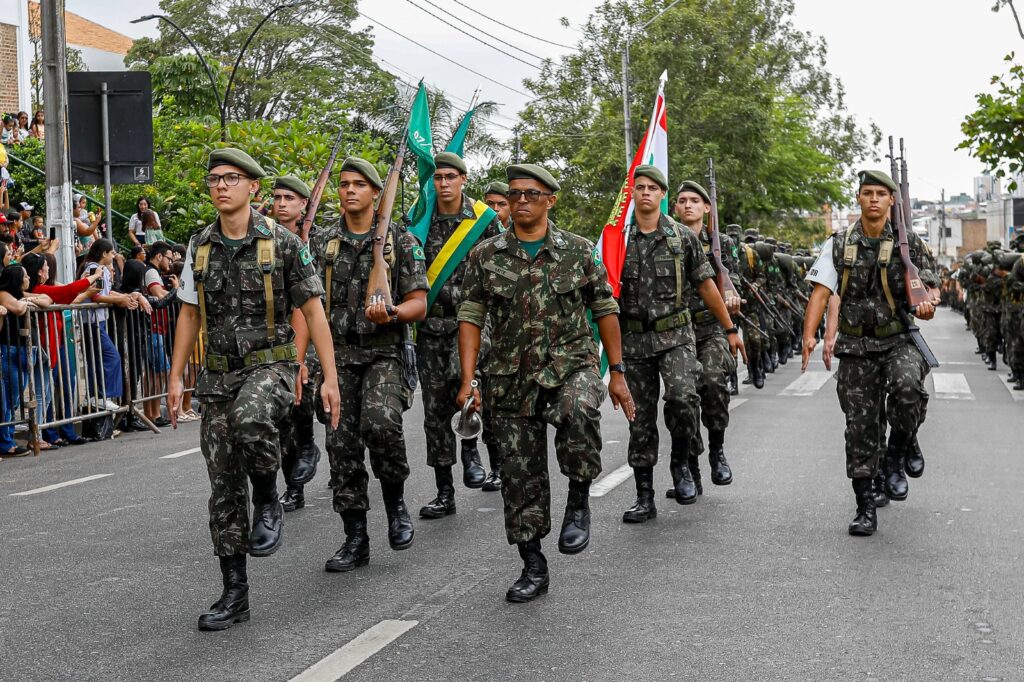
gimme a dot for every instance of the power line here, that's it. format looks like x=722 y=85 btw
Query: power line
x=512 y=28
x=479 y=40
x=480 y=30
x=447 y=59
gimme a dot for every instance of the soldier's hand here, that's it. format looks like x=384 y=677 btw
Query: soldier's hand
x=300 y=382
x=175 y=390
x=464 y=393
x=733 y=303
x=378 y=314
x=736 y=346
x=330 y=397
x=808 y=348
x=621 y=397
x=827 y=351
x=925 y=311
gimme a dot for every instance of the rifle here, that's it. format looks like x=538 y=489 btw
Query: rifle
x=379 y=286
x=318 y=189
x=912 y=284
x=725 y=284
x=754 y=325
x=760 y=299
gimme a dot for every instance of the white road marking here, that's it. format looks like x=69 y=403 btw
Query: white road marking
x=807 y=384
x=1017 y=395
x=176 y=455
x=342 y=661
x=736 y=402
x=58 y=486
x=952 y=386
x=607 y=483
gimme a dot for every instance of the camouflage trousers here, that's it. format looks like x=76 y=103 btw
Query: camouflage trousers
x=297 y=430
x=783 y=330
x=755 y=341
x=892 y=381
x=986 y=328
x=373 y=399
x=239 y=438
x=679 y=370
x=574 y=409
x=716 y=362
x=1014 y=316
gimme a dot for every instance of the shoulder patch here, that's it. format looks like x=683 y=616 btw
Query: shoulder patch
x=305 y=257
x=417 y=253
x=262 y=229
x=596 y=255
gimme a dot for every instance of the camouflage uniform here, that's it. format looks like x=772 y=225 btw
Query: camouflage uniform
x=544 y=364
x=1015 y=316
x=749 y=266
x=437 y=352
x=369 y=363
x=243 y=407
x=649 y=295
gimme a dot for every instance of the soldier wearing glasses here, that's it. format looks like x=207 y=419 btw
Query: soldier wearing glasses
x=436 y=351
x=243 y=276
x=535 y=285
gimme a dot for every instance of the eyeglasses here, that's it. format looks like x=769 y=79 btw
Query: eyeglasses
x=531 y=195
x=447 y=177
x=230 y=179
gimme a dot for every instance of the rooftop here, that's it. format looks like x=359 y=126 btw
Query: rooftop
x=81 y=32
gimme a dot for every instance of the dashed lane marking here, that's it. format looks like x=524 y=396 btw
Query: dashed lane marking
x=606 y=484
x=807 y=384
x=345 y=659
x=176 y=455
x=58 y=486
x=952 y=386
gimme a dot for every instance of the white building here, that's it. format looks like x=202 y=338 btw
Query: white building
x=16 y=56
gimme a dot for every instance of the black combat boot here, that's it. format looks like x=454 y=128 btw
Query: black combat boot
x=913 y=462
x=493 y=481
x=534 y=580
x=1019 y=385
x=878 y=495
x=356 y=550
x=990 y=361
x=775 y=360
x=683 y=490
x=643 y=509
x=473 y=473
x=734 y=388
x=305 y=463
x=267 y=516
x=866 y=521
x=233 y=605
x=721 y=474
x=294 y=497
x=749 y=379
x=784 y=351
x=766 y=363
x=444 y=503
x=575 y=535
x=400 y=530
x=759 y=377
x=895 y=480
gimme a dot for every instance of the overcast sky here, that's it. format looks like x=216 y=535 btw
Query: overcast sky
x=911 y=66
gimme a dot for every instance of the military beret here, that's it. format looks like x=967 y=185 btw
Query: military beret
x=691 y=186
x=364 y=168
x=497 y=187
x=531 y=171
x=229 y=156
x=770 y=240
x=450 y=160
x=290 y=182
x=653 y=173
x=876 y=177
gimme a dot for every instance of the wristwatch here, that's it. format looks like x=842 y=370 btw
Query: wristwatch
x=732 y=330
x=619 y=367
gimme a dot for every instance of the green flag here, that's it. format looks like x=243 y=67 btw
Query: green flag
x=421 y=144
x=458 y=141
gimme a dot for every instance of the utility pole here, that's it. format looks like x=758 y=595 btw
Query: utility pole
x=58 y=170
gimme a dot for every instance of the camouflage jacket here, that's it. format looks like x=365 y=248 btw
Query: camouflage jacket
x=648 y=291
x=441 y=318
x=235 y=299
x=863 y=302
x=705 y=324
x=538 y=310
x=356 y=339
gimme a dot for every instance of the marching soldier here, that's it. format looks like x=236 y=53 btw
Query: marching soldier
x=455 y=226
x=496 y=196
x=243 y=276
x=299 y=452
x=536 y=283
x=664 y=263
x=716 y=347
x=369 y=363
x=879 y=364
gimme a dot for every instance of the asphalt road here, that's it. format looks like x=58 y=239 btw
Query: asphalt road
x=104 y=579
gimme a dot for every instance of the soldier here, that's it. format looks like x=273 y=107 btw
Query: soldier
x=755 y=333
x=537 y=283
x=436 y=345
x=879 y=364
x=496 y=196
x=299 y=452
x=664 y=262
x=243 y=276
x=368 y=357
x=1013 y=313
x=716 y=346
x=987 y=307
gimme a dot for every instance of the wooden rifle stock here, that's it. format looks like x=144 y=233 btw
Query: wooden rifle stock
x=318 y=190
x=916 y=291
x=379 y=286
x=721 y=273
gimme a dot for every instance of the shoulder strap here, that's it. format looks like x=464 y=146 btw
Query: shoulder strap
x=199 y=269
x=849 y=258
x=265 y=256
x=750 y=257
x=675 y=244
x=333 y=247
x=884 y=256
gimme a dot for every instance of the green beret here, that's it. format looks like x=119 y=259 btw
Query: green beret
x=364 y=168
x=531 y=171
x=652 y=173
x=229 y=156
x=750 y=235
x=876 y=177
x=290 y=182
x=771 y=240
x=450 y=160
x=497 y=187
x=691 y=186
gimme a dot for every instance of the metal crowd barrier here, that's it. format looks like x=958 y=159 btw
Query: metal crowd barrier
x=68 y=364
